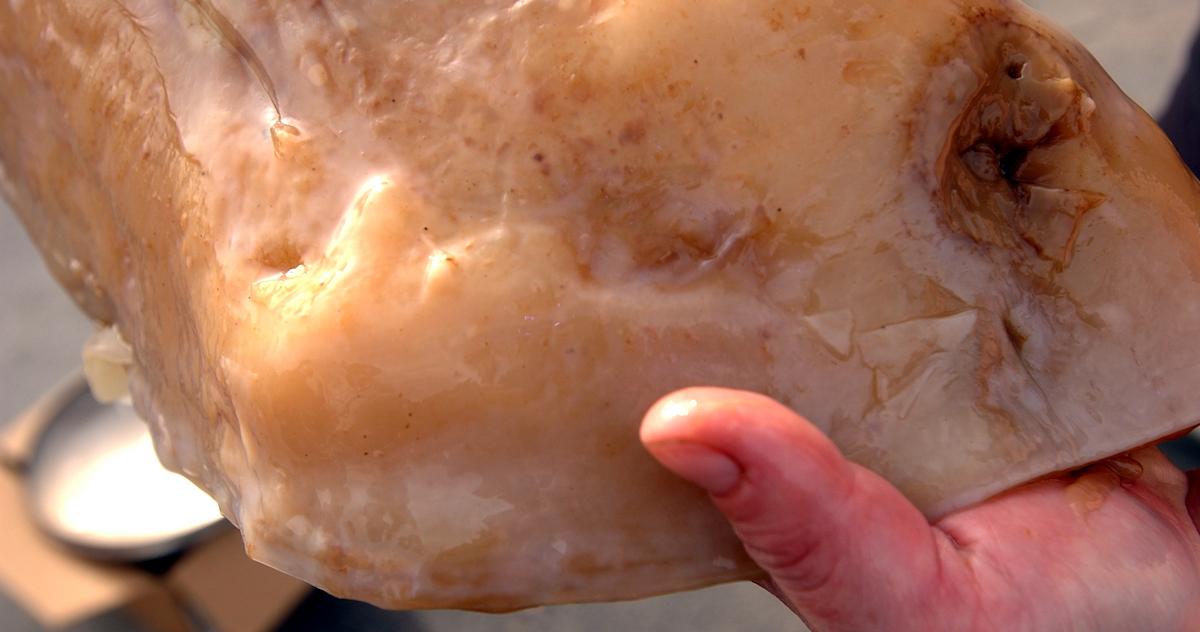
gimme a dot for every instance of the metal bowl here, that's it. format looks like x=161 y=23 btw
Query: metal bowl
x=95 y=484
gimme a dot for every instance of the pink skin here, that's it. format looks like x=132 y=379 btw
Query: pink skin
x=1109 y=548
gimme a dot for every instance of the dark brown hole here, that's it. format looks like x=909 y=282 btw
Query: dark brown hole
x=1014 y=335
x=279 y=254
x=1011 y=162
x=1015 y=70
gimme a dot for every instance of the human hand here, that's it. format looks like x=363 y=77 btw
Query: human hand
x=1114 y=547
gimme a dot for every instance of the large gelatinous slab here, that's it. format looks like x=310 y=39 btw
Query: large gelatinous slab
x=400 y=278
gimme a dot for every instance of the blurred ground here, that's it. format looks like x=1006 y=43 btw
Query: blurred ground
x=1141 y=43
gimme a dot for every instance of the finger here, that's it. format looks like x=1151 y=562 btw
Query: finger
x=829 y=532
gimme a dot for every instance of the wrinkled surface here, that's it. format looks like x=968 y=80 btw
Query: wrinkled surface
x=400 y=278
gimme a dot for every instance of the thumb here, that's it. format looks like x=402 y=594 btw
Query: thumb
x=843 y=546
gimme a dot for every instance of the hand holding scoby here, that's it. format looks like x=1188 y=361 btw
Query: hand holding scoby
x=399 y=280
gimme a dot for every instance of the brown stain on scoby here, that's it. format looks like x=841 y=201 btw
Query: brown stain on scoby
x=633 y=133
x=1091 y=489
